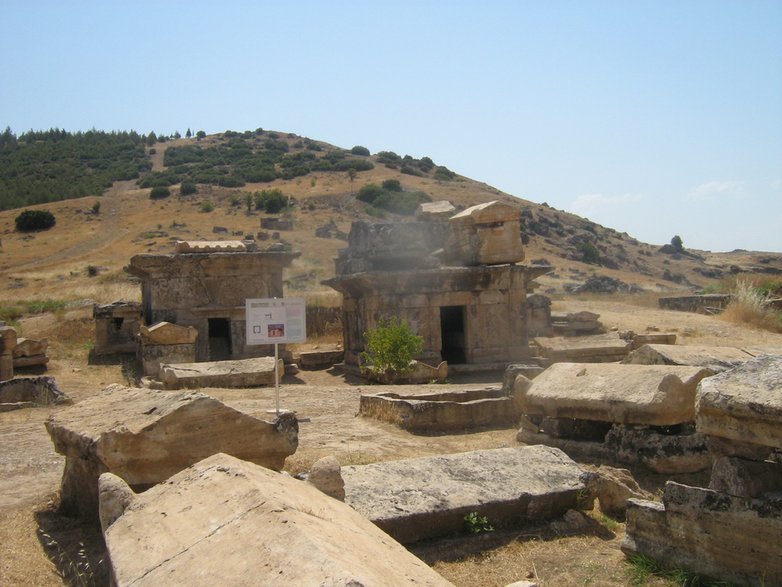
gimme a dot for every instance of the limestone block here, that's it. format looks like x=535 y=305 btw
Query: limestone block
x=612 y=488
x=228 y=522
x=714 y=358
x=488 y=233
x=238 y=373
x=654 y=395
x=744 y=404
x=7 y=344
x=40 y=391
x=29 y=347
x=745 y=478
x=33 y=361
x=320 y=358
x=210 y=246
x=145 y=436
x=756 y=351
x=326 y=475
x=714 y=534
x=414 y=499
x=168 y=333
x=640 y=340
x=442 y=209
x=605 y=348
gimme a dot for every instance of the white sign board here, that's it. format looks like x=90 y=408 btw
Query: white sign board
x=276 y=320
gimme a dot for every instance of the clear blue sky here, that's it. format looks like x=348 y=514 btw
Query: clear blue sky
x=651 y=117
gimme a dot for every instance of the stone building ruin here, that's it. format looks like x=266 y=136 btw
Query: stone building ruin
x=456 y=280
x=205 y=285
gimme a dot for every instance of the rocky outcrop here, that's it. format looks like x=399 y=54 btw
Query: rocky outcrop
x=224 y=521
x=238 y=373
x=145 y=436
x=414 y=499
x=744 y=404
x=652 y=395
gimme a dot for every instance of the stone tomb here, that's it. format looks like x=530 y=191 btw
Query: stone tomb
x=116 y=327
x=240 y=373
x=165 y=343
x=633 y=413
x=30 y=352
x=224 y=521
x=145 y=436
x=601 y=348
x=415 y=499
x=30 y=392
x=441 y=411
x=732 y=530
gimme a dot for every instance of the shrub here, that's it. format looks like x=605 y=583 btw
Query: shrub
x=444 y=174
x=589 y=253
x=159 y=192
x=206 y=206
x=187 y=188
x=392 y=185
x=677 y=244
x=369 y=193
x=200 y=134
x=388 y=157
x=410 y=170
x=748 y=307
x=391 y=346
x=96 y=208
x=32 y=220
x=359 y=150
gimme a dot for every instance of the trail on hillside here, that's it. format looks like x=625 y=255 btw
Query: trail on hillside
x=111 y=231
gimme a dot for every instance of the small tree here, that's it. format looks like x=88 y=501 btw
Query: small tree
x=33 y=220
x=359 y=150
x=159 y=192
x=189 y=133
x=391 y=346
x=200 y=135
x=392 y=185
x=187 y=188
x=677 y=243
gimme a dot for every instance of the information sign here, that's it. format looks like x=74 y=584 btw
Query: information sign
x=276 y=320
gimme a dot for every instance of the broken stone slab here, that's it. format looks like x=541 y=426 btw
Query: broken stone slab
x=414 y=499
x=745 y=478
x=439 y=210
x=29 y=347
x=36 y=391
x=652 y=395
x=442 y=410
x=756 y=351
x=713 y=534
x=640 y=340
x=34 y=361
x=226 y=246
x=224 y=521
x=237 y=373
x=744 y=404
x=320 y=358
x=168 y=333
x=605 y=348
x=145 y=436
x=714 y=358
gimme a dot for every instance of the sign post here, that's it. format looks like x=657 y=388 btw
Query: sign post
x=276 y=321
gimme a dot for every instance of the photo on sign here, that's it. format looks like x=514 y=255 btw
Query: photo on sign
x=276 y=331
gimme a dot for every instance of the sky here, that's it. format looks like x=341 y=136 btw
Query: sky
x=654 y=118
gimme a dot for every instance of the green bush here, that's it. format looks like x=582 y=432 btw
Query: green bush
x=444 y=174
x=392 y=185
x=159 y=192
x=33 y=220
x=369 y=192
x=187 y=188
x=589 y=253
x=391 y=346
x=206 y=206
x=359 y=150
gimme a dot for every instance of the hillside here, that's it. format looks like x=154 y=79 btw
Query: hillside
x=84 y=253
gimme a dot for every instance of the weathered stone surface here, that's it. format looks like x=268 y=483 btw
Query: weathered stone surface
x=745 y=478
x=153 y=355
x=239 y=373
x=442 y=411
x=29 y=347
x=210 y=246
x=116 y=327
x=714 y=358
x=576 y=323
x=413 y=499
x=488 y=233
x=168 y=333
x=326 y=475
x=744 y=404
x=320 y=358
x=605 y=348
x=227 y=522
x=38 y=391
x=653 y=395
x=713 y=534
x=530 y=371
x=756 y=351
x=7 y=343
x=114 y=497
x=440 y=210
x=612 y=488
x=709 y=303
x=35 y=361
x=145 y=436
x=640 y=340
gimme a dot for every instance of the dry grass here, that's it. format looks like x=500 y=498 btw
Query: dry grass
x=749 y=308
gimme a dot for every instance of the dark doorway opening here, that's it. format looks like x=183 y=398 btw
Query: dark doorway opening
x=219 y=339
x=452 y=334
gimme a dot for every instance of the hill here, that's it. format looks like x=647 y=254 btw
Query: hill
x=216 y=184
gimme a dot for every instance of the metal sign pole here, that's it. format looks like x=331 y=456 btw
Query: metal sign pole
x=276 y=380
